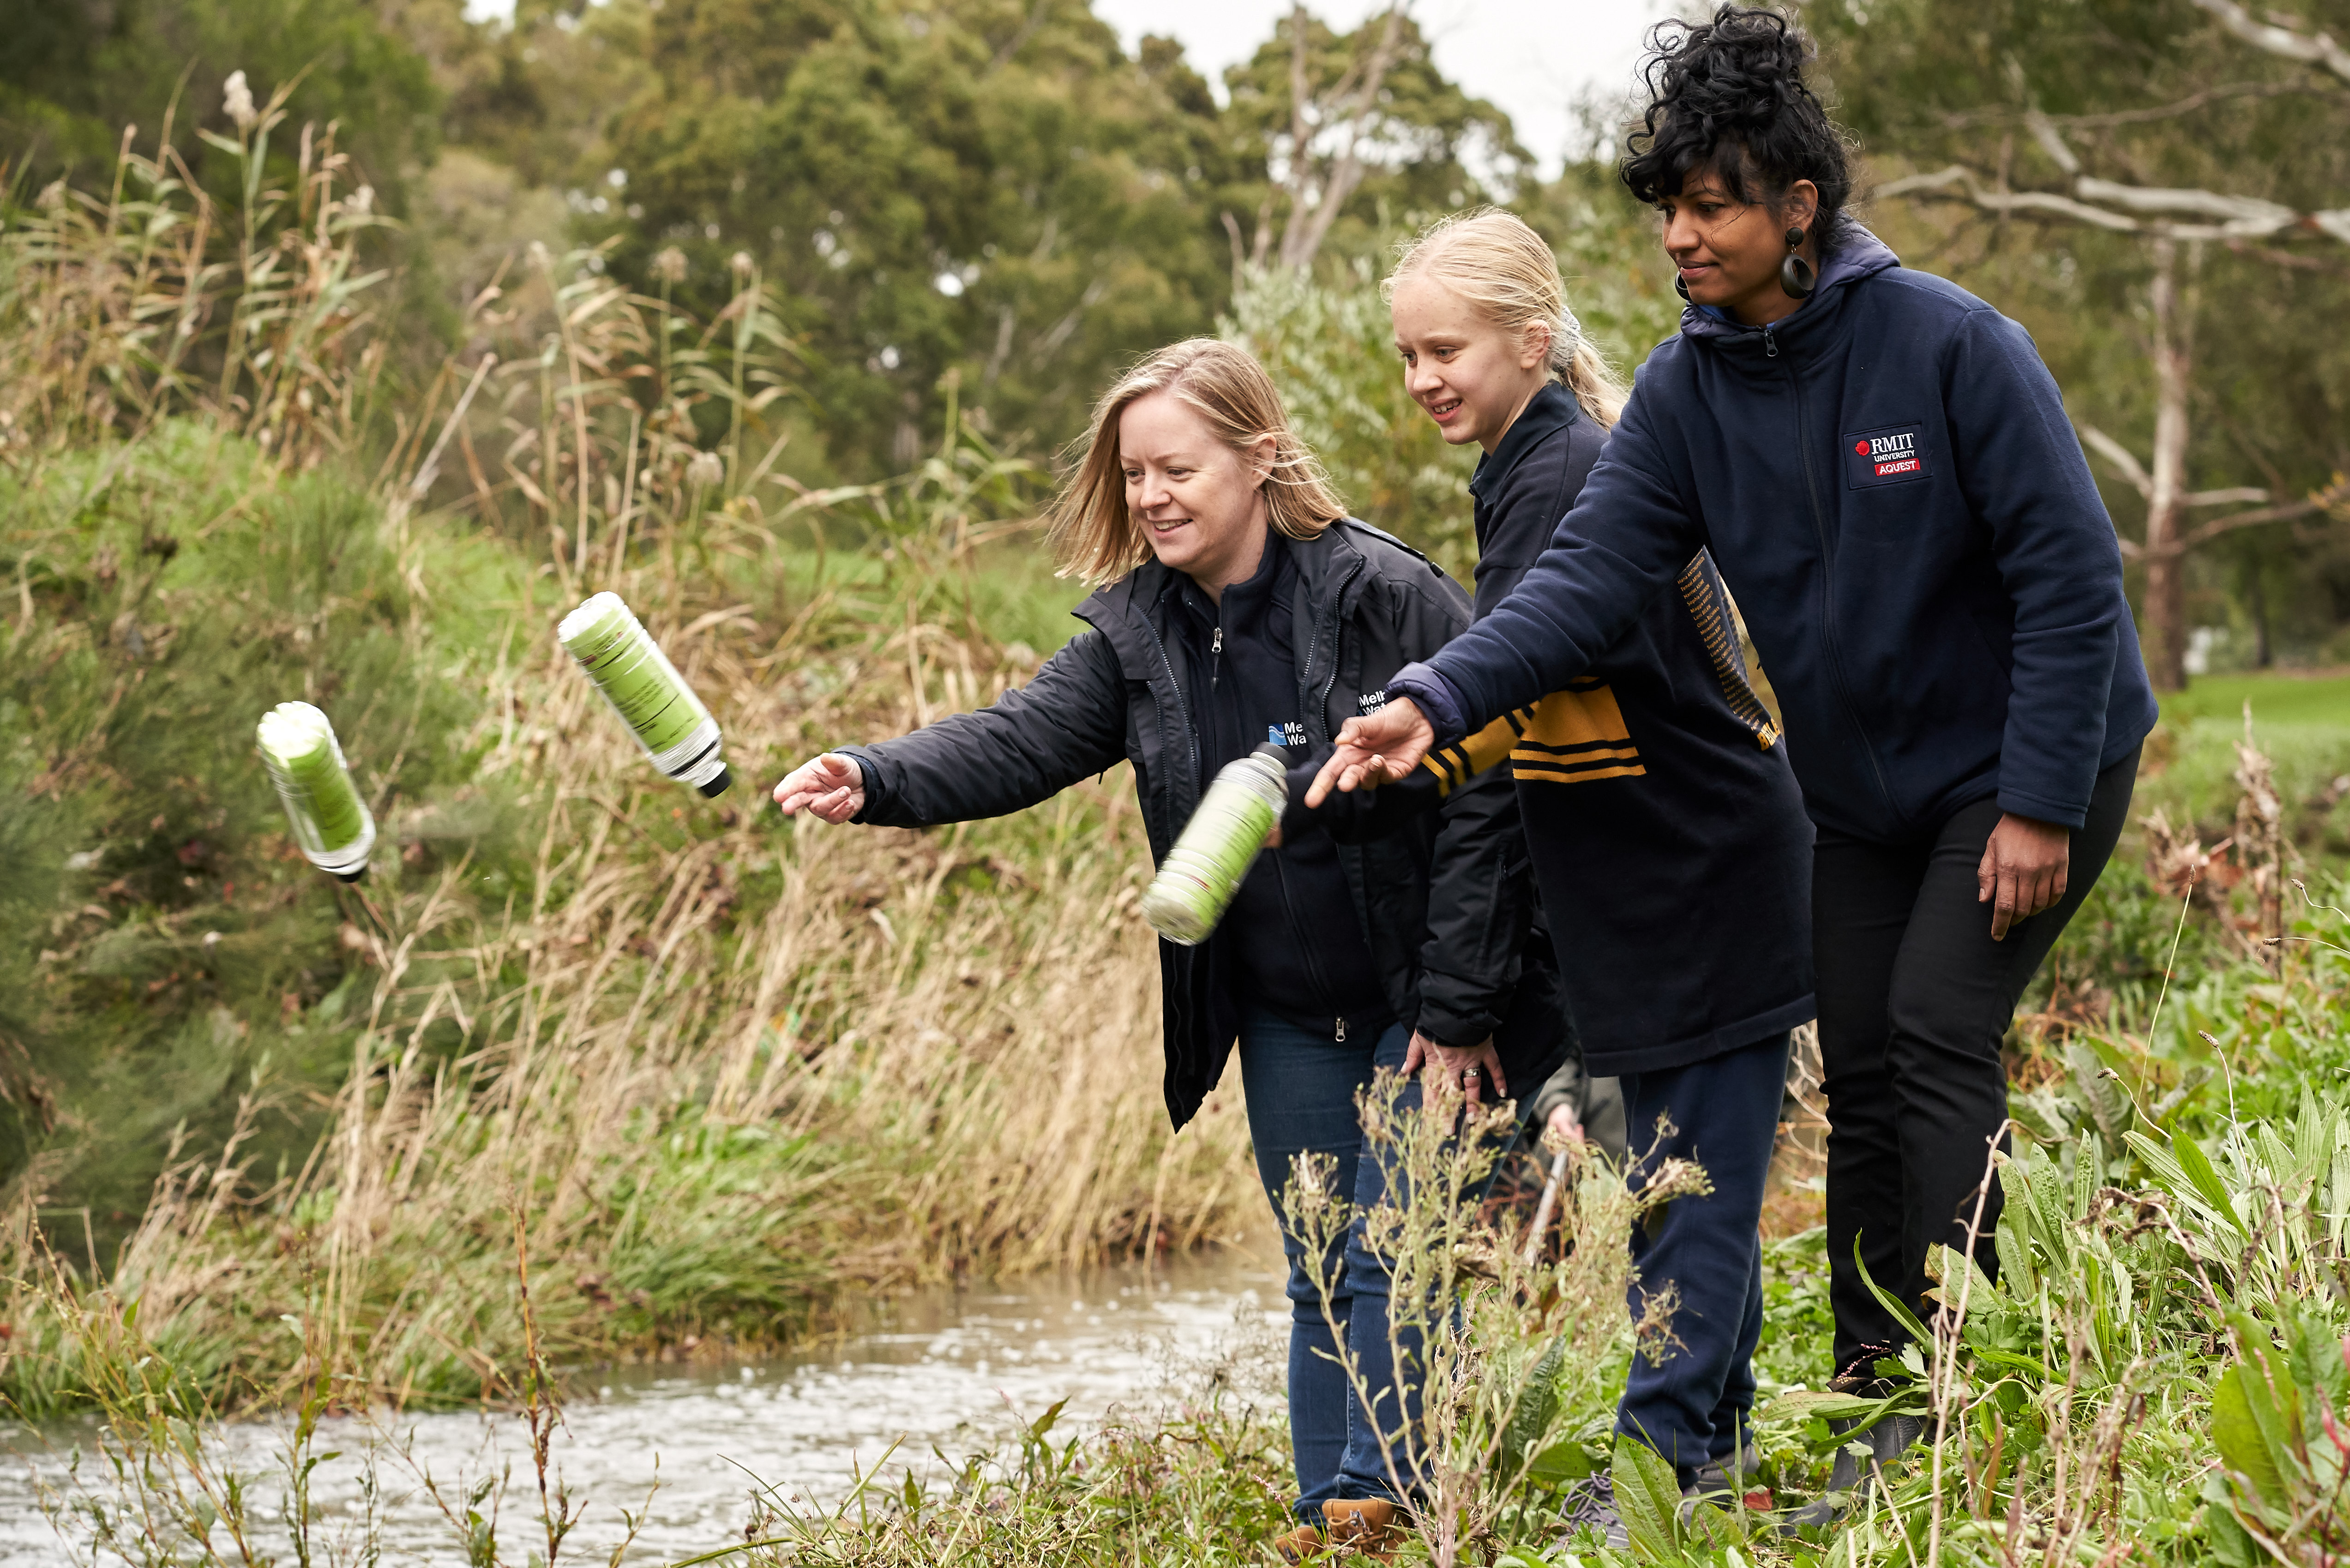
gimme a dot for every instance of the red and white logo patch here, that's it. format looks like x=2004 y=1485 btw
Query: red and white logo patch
x=1887 y=456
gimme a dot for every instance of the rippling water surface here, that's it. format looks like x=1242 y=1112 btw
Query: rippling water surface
x=949 y=1368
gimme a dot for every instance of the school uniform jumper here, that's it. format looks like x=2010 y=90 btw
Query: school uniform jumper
x=1673 y=860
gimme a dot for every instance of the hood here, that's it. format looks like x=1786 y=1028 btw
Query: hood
x=1858 y=254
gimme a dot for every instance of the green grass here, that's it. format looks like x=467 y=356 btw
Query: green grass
x=2300 y=722
x=2280 y=697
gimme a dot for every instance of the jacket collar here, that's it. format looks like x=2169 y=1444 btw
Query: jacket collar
x=1122 y=610
x=1858 y=254
x=1549 y=410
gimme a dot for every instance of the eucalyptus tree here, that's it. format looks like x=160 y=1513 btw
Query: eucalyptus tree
x=1356 y=127
x=2161 y=188
x=989 y=187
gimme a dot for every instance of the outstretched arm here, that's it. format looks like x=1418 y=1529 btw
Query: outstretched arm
x=1026 y=746
x=1630 y=533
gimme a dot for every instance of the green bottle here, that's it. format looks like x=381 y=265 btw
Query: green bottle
x=329 y=818
x=646 y=691
x=1196 y=882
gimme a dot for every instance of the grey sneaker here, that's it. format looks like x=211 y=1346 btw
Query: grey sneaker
x=1591 y=1505
x=1721 y=1484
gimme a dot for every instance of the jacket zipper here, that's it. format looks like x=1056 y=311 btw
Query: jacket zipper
x=1182 y=715
x=1297 y=928
x=1828 y=586
x=1329 y=624
x=1216 y=659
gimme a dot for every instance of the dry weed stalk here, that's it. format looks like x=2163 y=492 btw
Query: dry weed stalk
x=879 y=1056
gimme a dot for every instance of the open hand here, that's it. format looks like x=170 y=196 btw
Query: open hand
x=831 y=787
x=1375 y=749
x=2024 y=870
x=1475 y=1068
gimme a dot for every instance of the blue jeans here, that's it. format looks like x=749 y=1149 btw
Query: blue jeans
x=1724 y=1114
x=1301 y=1086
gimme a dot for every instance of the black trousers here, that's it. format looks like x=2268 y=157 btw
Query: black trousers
x=1915 y=998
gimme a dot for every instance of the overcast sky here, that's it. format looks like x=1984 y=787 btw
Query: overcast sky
x=1533 y=57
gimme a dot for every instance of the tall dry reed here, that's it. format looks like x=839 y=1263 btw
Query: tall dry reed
x=721 y=1067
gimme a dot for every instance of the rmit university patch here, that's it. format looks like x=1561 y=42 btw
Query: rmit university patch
x=1894 y=455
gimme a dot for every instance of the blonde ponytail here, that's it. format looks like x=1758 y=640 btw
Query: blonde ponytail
x=1494 y=260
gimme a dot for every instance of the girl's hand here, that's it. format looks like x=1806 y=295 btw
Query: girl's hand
x=1375 y=749
x=2024 y=870
x=1476 y=1069
x=1563 y=1125
x=830 y=786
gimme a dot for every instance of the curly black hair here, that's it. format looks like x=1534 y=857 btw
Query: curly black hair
x=1729 y=96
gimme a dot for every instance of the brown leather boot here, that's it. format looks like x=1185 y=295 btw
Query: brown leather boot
x=1303 y=1544
x=1367 y=1526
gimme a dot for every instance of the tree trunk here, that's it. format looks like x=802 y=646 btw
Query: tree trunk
x=2256 y=605
x=2166 y=561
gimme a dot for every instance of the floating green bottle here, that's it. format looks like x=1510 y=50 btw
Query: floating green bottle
x=646 y=691
x=329 y=818
x=1196 y=882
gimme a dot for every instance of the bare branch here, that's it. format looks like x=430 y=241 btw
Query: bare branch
x=2242 y=495
x=1300 y=242
x=2006 y=115
x=2248 y=210
x=2318 y=50
x=2044 y=130
x=2121 y=457
x=2282 y=512
x=2244 y=217
x=2286 y=513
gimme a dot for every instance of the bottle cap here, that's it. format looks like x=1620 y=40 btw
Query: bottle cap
x=717 y=787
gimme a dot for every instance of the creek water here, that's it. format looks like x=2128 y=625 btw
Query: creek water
x=949 y=1369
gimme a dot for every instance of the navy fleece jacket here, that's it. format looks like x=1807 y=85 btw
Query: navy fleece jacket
x=1888 y=483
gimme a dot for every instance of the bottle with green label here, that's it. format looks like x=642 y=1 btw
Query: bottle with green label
x=1197 y=881
x=329 y=817
x=645 y=690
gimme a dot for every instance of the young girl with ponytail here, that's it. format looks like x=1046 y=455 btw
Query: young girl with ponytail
x=1670 y=846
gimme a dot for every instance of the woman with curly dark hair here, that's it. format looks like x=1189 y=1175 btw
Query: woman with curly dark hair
x=1882 y=468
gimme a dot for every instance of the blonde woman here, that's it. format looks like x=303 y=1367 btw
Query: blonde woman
x=1669 y=846
x=1236 y=604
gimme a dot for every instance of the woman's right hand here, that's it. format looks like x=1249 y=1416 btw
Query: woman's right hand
x=831 y=786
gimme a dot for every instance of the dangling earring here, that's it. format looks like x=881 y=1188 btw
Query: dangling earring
x=1796 y=275
x=1680 y=288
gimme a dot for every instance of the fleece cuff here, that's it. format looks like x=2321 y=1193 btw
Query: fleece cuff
x=1434 y=696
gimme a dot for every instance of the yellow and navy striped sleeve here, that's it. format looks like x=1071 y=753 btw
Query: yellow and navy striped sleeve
x=1457 y=763
x=1709 y=607
x=1575 y=735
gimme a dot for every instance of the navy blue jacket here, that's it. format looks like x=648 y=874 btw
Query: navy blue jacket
x=1888 y=483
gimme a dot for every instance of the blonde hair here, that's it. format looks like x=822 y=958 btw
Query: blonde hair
x=1093 y=533
x=1502 y=267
